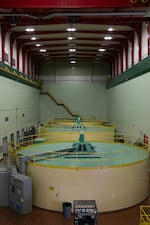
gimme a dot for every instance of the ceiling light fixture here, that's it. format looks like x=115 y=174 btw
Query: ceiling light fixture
x=71 y=38
x=71 y=29
x=37 y=45
x=110 y=29
x=72 y=50
x=108 y=38
x=73 y=61
x=42 y=50
x=101 y=49
x=33 y=38
x=29 y=29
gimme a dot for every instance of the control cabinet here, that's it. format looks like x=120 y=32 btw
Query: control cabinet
x=20 y=193
x=4 y=179
x=85 y=212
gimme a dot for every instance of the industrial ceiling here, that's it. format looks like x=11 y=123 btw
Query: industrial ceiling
x=94 y=33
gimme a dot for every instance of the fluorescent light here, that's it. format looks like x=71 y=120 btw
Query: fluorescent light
x=71 y=29
x=38 y=45
x=101 y=49
x=42 y=50
x=110 y=29
x=73 y=61
x=108 y=38
x=29 y=29
x=71 y=38
x=33 y=38
x=72 y=50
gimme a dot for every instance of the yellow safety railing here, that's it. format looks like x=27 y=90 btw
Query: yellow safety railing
x=102 y=158
x=73 y=136
x=144 y=215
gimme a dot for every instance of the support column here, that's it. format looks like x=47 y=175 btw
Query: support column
x=126 y=55
x=148 y=35
x=131 y=39
x=4 y=32
x=28 y=65
x=23 y=60
x=121 y=59
x=139 y=35
x=18 y=55
x=12 y=40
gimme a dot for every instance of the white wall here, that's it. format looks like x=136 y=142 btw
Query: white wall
x=128 y=106
x=17 y=99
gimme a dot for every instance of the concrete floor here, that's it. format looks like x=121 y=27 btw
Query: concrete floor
x=130 y=216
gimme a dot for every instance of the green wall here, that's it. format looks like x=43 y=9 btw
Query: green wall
x=89 y=100
x=129 y=106
x=54 y=70
x=19 y=104
x=80 y=86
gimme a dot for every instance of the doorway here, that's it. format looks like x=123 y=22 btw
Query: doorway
x=5 y=145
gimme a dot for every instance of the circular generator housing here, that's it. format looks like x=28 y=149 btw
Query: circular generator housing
x=115 y=175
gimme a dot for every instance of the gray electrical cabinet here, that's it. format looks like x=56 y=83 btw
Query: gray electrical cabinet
x=4 y=179
x=20 y=193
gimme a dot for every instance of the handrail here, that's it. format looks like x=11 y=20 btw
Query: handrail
x=53 y=137
x=100 y=158
x=144 y=215
x=12 y=73
x=60 y=102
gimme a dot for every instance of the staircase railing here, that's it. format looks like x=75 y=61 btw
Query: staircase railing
x=61 y=103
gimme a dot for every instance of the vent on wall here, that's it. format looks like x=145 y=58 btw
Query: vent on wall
x=6 y=118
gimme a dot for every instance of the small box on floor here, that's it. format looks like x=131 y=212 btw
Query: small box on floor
x=85 y=212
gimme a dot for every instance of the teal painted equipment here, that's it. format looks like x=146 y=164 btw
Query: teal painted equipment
x=82 y=146
x=80 y=149
x=78 y=125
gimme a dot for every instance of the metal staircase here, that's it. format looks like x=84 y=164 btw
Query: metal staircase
x=60 y=103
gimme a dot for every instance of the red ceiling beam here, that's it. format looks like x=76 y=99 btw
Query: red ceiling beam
x=71 y=4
